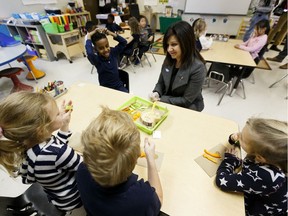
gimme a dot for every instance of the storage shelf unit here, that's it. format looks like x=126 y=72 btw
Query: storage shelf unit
x=34 y=36
x=79 y=20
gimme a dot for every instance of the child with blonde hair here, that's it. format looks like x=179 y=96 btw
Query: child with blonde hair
x=202 y=42
x=263 y=178
x=27 y=121
x=105 y=180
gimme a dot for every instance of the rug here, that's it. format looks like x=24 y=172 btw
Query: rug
x=157 y=47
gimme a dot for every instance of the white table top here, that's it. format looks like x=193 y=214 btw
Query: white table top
x=9 y=54
x=187 y=189
x=225 y=52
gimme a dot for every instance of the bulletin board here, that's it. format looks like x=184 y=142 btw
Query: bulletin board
x=233 y=7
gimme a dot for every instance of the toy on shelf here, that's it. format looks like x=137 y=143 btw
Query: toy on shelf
x=54 y=89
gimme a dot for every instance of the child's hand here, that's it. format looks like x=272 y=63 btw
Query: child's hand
x=149 y=149
x=237 y=46
x=66 y=110
x=233 y=151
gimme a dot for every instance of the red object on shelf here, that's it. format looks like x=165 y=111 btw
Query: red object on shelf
x=12 y=74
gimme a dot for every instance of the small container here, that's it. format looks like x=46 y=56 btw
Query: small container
x=60 y=86
x=51 y=93
x=61 y=28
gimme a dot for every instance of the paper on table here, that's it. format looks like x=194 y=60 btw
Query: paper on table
x=208 y=166
x=159 y=158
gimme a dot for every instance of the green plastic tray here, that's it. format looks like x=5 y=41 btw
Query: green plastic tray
x=139 y=104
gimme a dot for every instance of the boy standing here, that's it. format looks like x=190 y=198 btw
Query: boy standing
x=106 y=183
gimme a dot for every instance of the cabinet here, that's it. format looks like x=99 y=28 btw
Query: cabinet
x=34 y=36
x=67 y=43
x=165 y=22
x=79 y=21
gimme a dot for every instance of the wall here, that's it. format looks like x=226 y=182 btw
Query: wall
x=16 y=6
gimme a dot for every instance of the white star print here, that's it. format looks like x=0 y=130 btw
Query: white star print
x=276 y=187
x=254 y=175
x=252 y=191
x=271 y=172
x=274 y=204
x=267 y=207
x=286 y=195
x=239 y=183
x=264 y=186
x=223 y=181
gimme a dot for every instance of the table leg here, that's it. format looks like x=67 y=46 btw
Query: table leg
x=19 y=86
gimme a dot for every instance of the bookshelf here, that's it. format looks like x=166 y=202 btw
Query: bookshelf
x=79 y=20
x=34 y=36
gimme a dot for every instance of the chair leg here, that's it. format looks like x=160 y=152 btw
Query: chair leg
x=146 y=57
x=278 y=81
x=131 y=65
x=224 y=92
x=153 y=55
x=243 y=89
x=220 y=89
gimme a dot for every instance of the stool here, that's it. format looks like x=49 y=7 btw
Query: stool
x=37 y=73
x=12 y=74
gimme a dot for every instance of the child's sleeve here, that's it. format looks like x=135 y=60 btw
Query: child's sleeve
x=92 y=57
x=251 y=179
x=205 y=42
x=121 y=45
x=255 y=46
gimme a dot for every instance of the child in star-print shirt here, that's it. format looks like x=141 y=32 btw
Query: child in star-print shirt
x=263 y=178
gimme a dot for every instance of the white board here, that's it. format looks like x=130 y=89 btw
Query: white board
x=233 y=7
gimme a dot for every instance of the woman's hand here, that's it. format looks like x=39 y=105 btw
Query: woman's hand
x=154 y=96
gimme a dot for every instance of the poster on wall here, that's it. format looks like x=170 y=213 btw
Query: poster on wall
x=30 y=2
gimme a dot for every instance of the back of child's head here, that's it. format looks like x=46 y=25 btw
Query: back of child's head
x=134 y=25
x=199 y=27
x=89 y=26
x=110 y=18
x=111 y=147
x=97 y=36
x=269 y=139
x=263 y=24
x=24 y=122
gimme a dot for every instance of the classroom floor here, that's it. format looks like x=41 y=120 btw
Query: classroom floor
x=261 y=100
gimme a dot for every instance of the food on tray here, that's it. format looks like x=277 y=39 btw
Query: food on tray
x=215 y=155
x=150 y=117
x=209 y=158
x=68 y=107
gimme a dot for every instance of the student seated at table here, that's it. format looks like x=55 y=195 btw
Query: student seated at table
x=27 y=121
x=255 y=44
x=105 y=59
x=112 y=26
x=263 y=177
x=146 y=37
x=133 y=40
x=202 y=42
x=183 y=70
x=105 y=180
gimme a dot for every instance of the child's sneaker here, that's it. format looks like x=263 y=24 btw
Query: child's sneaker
x=137 y=62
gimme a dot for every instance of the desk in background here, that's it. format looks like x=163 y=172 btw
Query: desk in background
x=225 y=52
x=187 y=189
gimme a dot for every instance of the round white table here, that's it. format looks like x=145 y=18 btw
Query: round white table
x=7 y=55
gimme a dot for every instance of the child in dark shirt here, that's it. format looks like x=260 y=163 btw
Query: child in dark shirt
x=146 y=37
x=106 y=59
x=106 y=181
x=263 y=178
x=112 y=26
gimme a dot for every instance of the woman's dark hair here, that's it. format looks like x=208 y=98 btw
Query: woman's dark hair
x=183 y=31
x=97 y=36
x=264 y=24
